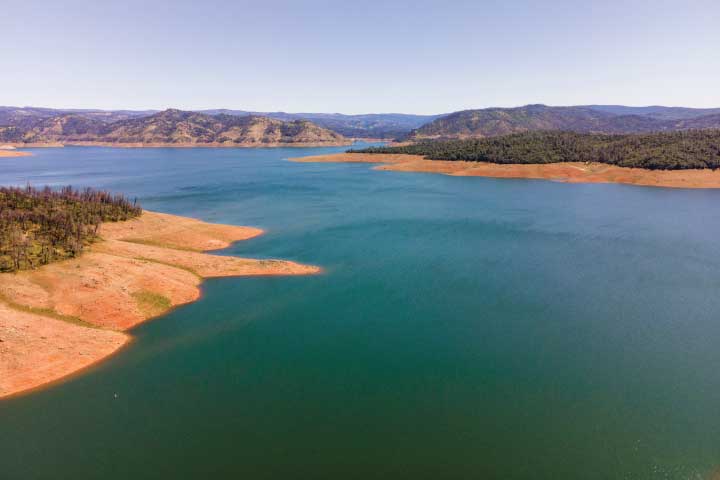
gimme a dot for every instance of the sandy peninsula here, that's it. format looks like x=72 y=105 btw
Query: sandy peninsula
x=65 y=316
x=13 y=153
x=559 y=172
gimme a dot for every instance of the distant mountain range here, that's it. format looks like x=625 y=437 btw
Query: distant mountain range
x=491 y=122
x=375 y=125
x=372 y=125
x=28 y=116
x=169 y=127
x=657 y=112
x=20 y=125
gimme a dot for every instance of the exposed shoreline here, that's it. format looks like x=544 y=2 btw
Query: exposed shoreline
x=559 y=172
x=13 y=153
x=181 y=145
x=64 y=317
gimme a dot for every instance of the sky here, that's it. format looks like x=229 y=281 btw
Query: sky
x=417 y=56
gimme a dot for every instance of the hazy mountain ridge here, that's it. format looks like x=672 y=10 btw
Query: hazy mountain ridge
x=374 y=125
x=19 y=122
x=26 y=115
x=170 y=127
x=657 y=111
x=491 y=122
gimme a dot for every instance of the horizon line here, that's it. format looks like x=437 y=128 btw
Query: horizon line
x=447 y=112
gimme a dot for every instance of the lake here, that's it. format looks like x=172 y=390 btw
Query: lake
x=463 y=328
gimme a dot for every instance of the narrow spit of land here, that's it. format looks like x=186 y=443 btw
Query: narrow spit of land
x=13 y=153
x=569 y=172
x=685 y=159
x=62 y=317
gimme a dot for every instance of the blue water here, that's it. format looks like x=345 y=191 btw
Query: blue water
x=463 y=328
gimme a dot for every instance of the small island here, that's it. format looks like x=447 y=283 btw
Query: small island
x=81 y=267
x=684 y=159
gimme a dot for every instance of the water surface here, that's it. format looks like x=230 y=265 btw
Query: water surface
x=464 y=328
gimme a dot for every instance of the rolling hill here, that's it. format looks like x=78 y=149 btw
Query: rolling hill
x=679 y=150
x=657 y=111
x=374 y=125
x=45 y=124
x=170 y=127
x=491 y=122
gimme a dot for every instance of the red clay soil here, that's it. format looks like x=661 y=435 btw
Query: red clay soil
x=64 y=316
x=560 y=172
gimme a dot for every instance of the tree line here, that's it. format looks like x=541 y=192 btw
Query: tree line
x=654 y=151
x=39 y=226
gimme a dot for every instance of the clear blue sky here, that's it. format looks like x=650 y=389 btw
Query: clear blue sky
x=358 y=56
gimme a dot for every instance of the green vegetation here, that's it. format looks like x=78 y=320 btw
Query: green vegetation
x=47 y=312
x=151 y=303
x=654 y=151
x=169 y=264
x=493 y=122
x=41 y=226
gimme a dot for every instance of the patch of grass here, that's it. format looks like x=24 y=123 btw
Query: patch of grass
x=151 y=303
x=46 y=312
x=155 y=243
x=168 y=264
x=268 y=263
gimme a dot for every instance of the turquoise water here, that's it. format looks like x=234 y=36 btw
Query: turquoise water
x=463 y=328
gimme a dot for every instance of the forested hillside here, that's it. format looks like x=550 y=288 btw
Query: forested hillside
x=657 y=111
x=491 y=122
x=41 y=226
x=664 y=151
